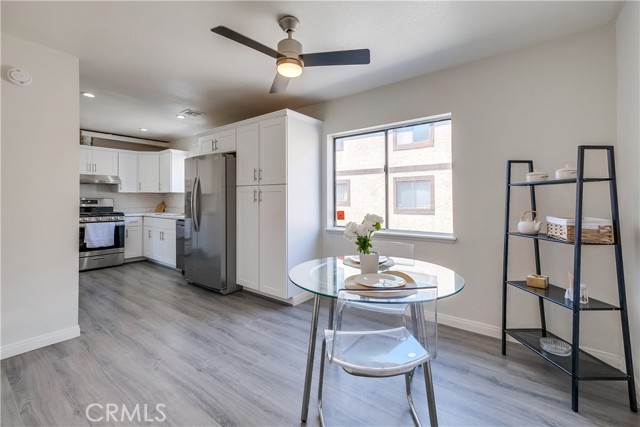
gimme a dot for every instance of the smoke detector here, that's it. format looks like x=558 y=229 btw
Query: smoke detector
x=19 y=77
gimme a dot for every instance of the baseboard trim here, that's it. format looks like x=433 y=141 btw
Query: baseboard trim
x=298 y=299
x=24 y=346
x=615 y=360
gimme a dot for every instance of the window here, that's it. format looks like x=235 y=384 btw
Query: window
x=412 y=137
x=414 y=195
x=400 y=172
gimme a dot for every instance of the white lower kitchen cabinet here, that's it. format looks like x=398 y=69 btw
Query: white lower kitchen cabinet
x=148 y=242
x=133 y=229
x=248 y=237
x=272 y=200
x=261 y=239
x=275 y=231
x=160 y=240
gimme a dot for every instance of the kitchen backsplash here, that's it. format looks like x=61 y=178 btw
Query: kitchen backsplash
x=130 y=202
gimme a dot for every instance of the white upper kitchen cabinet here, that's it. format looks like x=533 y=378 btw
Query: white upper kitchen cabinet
x=247 y=154
x=273 y=151
x=98 y=161
x=128 y=171
x=172 y=171
x=148 y=172
x=262 y=152
x=218 y=141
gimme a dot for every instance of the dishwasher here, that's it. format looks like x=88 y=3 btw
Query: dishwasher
x=180 y=245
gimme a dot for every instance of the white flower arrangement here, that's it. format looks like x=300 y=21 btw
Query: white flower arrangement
x=361 y=234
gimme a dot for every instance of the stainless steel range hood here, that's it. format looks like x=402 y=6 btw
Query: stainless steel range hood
x=99 y=179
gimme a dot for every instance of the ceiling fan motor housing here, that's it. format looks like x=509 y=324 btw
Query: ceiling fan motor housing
x=290 y=48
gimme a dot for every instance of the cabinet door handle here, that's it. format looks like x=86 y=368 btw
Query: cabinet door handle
x=255 y=196
x=149 y=231
x=126 y=234
x=88 y=167
x=94 y=167
x=260 y=195
x=139 y=186
x=215 y=144
x=260 y=174
x=255 y=172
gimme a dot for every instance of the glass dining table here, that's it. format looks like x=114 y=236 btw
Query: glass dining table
x=326 y=276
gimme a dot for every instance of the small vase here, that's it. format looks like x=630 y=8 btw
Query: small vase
x=369 y=263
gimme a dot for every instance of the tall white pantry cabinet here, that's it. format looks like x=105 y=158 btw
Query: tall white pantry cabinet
x=278 y=201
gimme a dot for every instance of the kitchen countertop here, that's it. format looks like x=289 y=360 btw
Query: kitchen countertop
x=166 y=215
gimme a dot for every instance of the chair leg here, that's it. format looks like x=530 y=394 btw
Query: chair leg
x=408 y=377
x=431 y=398
x=321 y=383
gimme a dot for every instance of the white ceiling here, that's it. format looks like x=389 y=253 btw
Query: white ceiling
x=146 y=61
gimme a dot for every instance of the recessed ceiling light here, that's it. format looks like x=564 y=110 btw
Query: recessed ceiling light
x=88 y=94
x=144 y=129
x=181 y=116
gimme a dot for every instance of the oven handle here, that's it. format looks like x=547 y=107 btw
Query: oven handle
x=84 y=225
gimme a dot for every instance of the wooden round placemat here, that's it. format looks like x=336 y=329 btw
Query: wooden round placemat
x=350 y=283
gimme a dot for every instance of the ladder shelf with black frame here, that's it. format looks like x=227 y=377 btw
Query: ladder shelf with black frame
x=580 y=365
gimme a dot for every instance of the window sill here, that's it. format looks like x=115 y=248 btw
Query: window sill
x=415 y=235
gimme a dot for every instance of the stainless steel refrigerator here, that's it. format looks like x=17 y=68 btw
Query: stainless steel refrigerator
x=210 y=222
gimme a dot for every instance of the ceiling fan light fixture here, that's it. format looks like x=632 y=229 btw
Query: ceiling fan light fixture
x=289 y=67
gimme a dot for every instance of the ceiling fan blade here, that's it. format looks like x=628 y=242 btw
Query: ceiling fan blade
x=339 y=57
x=237 y=37
x=280 y=83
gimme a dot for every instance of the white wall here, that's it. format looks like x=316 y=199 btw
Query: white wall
x=537 y=103
x=40 y=125
x=628 y=56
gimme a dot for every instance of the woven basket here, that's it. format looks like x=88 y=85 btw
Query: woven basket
x=591 y=233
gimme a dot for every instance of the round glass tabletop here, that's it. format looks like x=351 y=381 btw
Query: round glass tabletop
x=326 y=276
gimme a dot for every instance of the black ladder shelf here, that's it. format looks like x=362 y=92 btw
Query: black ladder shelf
x=581 y=366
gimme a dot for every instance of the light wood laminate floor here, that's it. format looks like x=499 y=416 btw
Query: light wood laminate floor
x=238 y=360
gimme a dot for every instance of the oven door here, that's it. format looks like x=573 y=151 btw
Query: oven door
x=91 y=258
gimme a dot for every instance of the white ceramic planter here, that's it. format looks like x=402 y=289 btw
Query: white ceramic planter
x=369 y=263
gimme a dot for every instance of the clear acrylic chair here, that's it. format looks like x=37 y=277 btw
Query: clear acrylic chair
x=373 y=343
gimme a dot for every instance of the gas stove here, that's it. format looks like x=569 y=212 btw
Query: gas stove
x=96 y=210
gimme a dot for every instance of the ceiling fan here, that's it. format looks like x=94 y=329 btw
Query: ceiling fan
x=289 y=57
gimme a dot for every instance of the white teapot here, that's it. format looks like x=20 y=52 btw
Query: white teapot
x=566 y=172
x=529 y=226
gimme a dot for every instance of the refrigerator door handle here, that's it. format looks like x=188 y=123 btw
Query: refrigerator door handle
x=196 y=205
x=193 y=196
